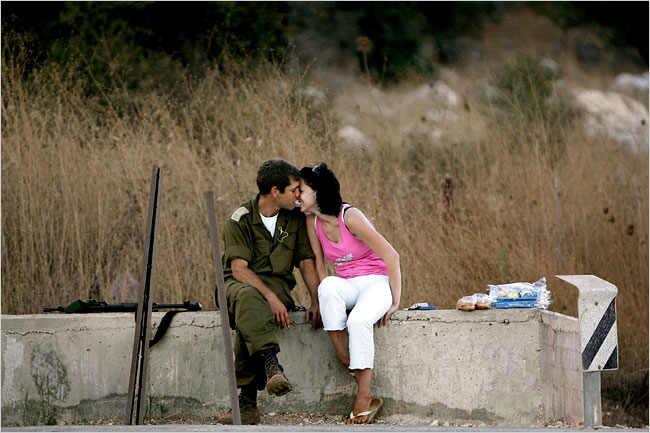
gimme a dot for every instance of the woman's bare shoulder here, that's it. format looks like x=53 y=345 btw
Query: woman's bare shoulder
x=354 y=217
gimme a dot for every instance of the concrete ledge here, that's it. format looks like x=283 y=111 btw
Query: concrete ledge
x=517 y=367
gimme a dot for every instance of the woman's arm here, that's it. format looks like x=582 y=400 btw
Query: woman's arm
x=316 y=247
x=359 y=225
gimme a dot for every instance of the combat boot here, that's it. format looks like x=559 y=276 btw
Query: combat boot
x=247 y=411
x=276 y=382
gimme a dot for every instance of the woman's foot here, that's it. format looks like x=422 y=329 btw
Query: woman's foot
x=361 y=404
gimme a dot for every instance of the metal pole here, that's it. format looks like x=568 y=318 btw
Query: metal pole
x=598 y=338
x=140 y=357
x=223 y=308
x=591 y=396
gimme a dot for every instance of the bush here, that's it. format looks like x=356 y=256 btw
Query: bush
x=528 y=101
x=525 y=86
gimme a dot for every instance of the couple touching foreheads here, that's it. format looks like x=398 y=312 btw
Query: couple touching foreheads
x=265 y=238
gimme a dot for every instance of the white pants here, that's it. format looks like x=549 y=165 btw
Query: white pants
x=369 y=297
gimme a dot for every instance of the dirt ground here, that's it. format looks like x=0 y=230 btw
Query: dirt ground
x=271 y=418
x=614 y=416
x=301 y=419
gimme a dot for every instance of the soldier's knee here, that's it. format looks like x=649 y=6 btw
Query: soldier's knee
x=248 y=296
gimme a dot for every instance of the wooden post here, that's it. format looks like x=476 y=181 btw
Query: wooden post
x=223 y=308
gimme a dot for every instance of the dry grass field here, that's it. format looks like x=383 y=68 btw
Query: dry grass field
x=533 y=197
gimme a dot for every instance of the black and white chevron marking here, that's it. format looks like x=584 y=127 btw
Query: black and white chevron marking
x=601 y=350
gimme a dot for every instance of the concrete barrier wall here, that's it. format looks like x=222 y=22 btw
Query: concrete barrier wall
x=516 y=367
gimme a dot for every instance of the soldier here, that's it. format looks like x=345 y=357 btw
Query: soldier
x=265 y=238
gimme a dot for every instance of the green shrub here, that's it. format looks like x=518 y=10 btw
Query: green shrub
x=524 y=86
x=527 y=101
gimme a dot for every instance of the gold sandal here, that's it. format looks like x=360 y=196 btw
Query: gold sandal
x=375 y=405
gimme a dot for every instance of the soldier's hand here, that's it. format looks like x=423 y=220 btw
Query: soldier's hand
x=315 y=318
x=280 y=312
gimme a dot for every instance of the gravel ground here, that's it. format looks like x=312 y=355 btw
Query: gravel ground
x=301 y=419
x=271 y=418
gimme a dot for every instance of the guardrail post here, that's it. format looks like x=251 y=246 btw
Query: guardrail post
x=598 y=338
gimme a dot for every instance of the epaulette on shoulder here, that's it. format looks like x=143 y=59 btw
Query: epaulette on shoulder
x=238 y=213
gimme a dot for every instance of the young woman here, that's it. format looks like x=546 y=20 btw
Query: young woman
x=368 y=282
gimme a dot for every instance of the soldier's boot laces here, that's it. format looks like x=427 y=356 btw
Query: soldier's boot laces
x=247 y=411
x=276 y=382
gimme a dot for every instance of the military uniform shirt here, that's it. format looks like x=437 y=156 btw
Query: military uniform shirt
x=271 y=258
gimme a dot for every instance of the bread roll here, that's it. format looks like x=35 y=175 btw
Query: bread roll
x=466 y=303
x=483 y=301
x=483 y=305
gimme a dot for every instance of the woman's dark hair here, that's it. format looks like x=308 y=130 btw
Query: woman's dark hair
x=327 y=188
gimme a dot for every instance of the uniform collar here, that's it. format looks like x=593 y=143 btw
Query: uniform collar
x=283 y=217
x=256 y=210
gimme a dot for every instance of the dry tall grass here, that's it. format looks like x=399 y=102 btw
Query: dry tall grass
x=76 y=172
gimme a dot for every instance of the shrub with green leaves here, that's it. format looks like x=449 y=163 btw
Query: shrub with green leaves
x=528 y=102
x=524 y=86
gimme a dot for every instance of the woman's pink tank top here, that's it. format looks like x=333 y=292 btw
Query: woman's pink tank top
x=351 y=257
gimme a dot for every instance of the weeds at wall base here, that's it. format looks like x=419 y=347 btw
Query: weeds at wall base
x=39 y=412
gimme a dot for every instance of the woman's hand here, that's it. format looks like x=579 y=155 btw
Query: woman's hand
x=384 y=320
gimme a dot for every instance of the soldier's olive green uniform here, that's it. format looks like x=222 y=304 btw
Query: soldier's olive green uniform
x=272 y=259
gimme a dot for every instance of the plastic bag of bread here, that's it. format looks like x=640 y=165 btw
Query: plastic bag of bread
x=504 y=291
x=535 y=294
x=482 y=301
x=466 y=303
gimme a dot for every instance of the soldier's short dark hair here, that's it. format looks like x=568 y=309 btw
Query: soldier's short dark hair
x=276 y=172
x=328 y=190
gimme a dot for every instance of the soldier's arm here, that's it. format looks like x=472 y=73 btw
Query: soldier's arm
x=239 y=245
x=309 y=274
x=309 y=270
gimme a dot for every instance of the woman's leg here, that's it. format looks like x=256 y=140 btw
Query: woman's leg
x=374 y=300
x=372 y=303
x=364 y=395
x=336 y=296
x=340 y=341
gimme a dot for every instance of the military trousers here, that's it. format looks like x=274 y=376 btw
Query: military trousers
x=255 y=327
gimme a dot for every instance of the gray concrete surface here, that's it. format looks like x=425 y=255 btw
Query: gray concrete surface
x=516 y=367
x=292 y=428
